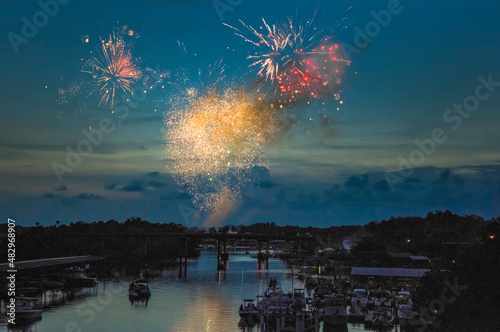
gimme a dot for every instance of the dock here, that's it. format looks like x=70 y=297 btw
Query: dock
x=30 y=264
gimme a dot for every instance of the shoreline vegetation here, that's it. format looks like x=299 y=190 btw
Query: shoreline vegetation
x=459 y=293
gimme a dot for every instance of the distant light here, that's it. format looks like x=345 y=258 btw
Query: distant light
x=491 y=236
x=408 y=240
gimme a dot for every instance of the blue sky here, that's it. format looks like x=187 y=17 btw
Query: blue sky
x=397 y=90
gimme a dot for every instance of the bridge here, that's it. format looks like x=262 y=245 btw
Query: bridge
x=183 y=237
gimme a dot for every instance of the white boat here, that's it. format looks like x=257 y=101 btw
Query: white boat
x=406 y=315
x=360 y=298
x=334 y=311
x=357 y=311
x=383 y=317
x=139 y=289
x=24 y=309
x=273 y=288
x=76 y=277
x=249 y=312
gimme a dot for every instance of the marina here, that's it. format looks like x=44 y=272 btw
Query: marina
x=247 y=296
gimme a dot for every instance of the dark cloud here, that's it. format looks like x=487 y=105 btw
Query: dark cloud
x=281 y=194
x=332 y=191
x=413 y=180
x=357 y=182
x=174 y=195
x=155 y=184
x=110 y=186
x=153 y=173
x=142 y=147
x=447 y=177
x=68 y=201
x=444 y=176
x=304 y=201
x=50 y=195
x=88 y=196
x=267 y=184
x=260 y=172
x=133 y=187
x=62 y=187
x=381 y=185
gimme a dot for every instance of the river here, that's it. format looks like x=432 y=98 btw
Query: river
x=205 y=301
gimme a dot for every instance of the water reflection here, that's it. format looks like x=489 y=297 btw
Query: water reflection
x=205 y=300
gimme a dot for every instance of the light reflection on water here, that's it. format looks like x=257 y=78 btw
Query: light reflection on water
x=205 y=301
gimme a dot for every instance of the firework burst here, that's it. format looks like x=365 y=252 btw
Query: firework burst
x=215 y=141
x=299 y=66
x=280 y=44
x=113 y=69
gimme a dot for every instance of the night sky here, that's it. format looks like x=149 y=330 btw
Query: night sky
x=365 y=165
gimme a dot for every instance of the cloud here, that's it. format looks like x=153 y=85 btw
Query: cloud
x=260 y=172
x=68 y=201
x=304 y=201
x=155 y=184
x=174 y=195
x=334 y=190
x=62 y=187
x=357 y=182
x=88 y=196
x=153 y=174
x=444 y=176
x=381 y=185
x=413 y=180
x=267 y=184
x=281 y=194
x=447 y=177
x=110 y=186
x=50 y=195
x=134 y=186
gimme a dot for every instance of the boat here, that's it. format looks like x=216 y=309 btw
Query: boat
x=360 y=297
x=406 y=315
x=249 y=312
x=273 y=288
x=333 y=310
x=403 y=298
x=76 y=277
x=368 y=321
x=139 y=289
x=357 y=310
x=377 y=297
x=383 y=317
x=25 y=311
